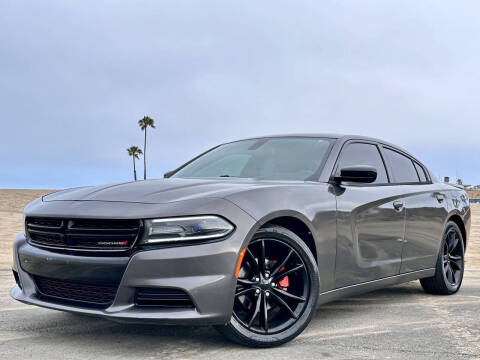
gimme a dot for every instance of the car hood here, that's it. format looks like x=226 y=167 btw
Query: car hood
x=162 y=190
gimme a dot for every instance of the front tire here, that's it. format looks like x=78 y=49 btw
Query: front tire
x=277 y=290
x=450 y=263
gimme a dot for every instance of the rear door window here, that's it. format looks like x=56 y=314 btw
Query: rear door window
x=364 y=154
x=403 y=170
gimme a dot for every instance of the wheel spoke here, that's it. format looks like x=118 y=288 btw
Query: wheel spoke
x=256 y=312
x=456 y=276
x=453 y=244
x=245 y=282
x=288 y=295
x=450 y=274
x=285 y=273
x=254 y=261
x=262 y=257
x=265 y=313
x=283 y=304
x=244 y=291
x=279 y=267
x=456 y=262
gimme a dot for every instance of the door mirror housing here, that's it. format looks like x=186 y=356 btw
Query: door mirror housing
x=358 y=174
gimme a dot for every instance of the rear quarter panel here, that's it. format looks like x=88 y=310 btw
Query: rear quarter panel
x=426 y=221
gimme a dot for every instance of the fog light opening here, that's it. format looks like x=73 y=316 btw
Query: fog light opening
x=17 y=279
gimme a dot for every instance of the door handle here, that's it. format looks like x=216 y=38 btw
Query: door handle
x=439 y=196
x=398 y=205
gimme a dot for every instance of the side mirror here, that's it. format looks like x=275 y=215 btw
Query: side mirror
x=168 y=174
x=359 y=174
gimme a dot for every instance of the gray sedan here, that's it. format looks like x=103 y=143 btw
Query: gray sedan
x=250 y=237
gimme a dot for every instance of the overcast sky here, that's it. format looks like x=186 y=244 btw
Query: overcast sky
x=76 y=76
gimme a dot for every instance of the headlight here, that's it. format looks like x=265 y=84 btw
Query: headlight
x=180 y=229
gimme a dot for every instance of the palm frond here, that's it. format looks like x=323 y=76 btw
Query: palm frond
x=146 y=122
x=134 y=151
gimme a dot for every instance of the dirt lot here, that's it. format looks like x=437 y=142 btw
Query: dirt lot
x=473 y=194
x=401 y=322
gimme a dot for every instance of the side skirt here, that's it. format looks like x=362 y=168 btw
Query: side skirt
x=372 y=285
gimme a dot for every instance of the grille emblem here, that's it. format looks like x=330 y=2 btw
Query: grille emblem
x=107 y=243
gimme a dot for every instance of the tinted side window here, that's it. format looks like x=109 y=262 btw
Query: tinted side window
x=402 y=167
x=421 y=173
x=364 y=154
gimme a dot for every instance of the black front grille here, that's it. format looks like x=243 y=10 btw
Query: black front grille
x=163 y=297
x=86 y=234
x=62 y=291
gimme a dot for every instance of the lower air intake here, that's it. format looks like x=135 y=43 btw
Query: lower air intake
x=163 y=297
x=75 y=293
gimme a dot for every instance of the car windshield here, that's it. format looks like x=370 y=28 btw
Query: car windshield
x=288 y=158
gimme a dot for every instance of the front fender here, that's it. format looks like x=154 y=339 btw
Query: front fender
x=314 y=204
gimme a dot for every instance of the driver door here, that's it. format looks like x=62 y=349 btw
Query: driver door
x=370 y=221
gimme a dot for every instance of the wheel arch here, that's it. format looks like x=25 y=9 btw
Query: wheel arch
x=296 y=223
x=457 y=219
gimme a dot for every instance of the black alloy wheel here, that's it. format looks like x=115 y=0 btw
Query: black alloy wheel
x=277 y=289
x=453 y=257
x=450 y=263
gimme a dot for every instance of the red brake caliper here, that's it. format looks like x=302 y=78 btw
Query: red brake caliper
x=284 y=283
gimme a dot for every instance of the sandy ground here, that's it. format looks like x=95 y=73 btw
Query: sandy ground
x=473 y=194
x=12 y=203
x=401 y=322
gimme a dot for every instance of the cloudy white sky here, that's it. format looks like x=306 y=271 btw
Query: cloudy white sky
x=75 y=76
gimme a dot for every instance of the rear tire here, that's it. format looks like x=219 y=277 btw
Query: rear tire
x=450 y=263
x=273 y=309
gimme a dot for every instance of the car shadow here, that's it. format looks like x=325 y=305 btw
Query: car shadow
x=129 y=338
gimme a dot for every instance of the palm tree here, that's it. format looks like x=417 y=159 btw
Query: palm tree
x=144 y=124
x=134 y=151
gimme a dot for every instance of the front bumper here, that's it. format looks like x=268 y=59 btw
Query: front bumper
x=204 y=271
